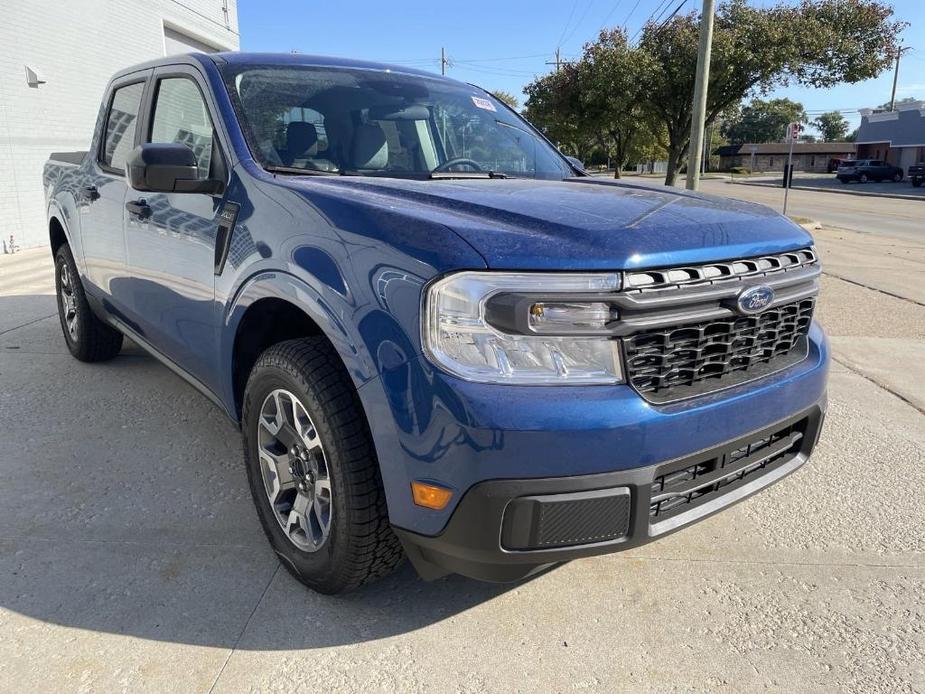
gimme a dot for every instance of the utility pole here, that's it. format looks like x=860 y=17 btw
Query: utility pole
x=443 y=61
x=700 y=95
x=899 y=55
x=558 y=62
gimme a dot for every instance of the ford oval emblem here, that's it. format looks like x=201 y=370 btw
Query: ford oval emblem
x=755 y=299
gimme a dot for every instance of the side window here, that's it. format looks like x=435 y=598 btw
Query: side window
x=120 y=125
x=180 y=115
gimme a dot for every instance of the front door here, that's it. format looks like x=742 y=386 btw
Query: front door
x=170 y=237
x=102 y=195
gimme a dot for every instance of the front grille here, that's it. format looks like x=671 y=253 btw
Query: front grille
x=683 y=334
x=677 y=491
x=676 y=362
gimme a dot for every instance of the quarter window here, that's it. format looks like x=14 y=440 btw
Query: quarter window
x=120 y=125
x=180 y=115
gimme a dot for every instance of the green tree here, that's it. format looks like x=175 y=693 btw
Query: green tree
x=506 y=98
x=899 y=102
x=596 y=103
x=817 y=43
x=832 y=125
x=763 y=121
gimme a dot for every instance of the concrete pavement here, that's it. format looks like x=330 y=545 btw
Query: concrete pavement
x=131 y=558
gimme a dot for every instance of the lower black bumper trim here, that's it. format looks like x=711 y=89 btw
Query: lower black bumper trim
x=476 y=541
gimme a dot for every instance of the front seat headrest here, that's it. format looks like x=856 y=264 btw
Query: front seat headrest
x=370 y=149
x=301 y=139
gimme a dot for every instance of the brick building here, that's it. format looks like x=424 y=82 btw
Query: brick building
x=56 y=57
x=772 y=156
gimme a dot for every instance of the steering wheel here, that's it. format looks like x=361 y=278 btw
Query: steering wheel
x=458 y=161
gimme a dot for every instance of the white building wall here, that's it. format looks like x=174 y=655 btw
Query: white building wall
x=76 y=46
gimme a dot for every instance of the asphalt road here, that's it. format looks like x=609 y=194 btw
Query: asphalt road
x=900 y=219
x=131 y=558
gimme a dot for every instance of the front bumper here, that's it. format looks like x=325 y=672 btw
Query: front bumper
x=504 y=530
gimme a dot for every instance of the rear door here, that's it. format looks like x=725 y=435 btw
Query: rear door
x=171 y=245
x=103 y=192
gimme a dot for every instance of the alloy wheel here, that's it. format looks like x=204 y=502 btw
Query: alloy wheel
x=294 y=471
x=68 y=302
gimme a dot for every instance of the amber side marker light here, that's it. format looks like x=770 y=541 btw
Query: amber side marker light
x=430 y=495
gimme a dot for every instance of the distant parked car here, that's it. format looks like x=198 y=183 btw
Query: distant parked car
x=864 y=170
x=917 y=173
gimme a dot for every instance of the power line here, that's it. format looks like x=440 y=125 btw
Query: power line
x=567 y=22
x=610 y=14
x=651 y=15
x=578 y=23
x=631 y=13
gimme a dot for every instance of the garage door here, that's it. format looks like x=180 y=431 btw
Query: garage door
x=176 y=42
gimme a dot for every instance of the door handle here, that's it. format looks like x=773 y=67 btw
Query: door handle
x=91 y=193
x=139 y=208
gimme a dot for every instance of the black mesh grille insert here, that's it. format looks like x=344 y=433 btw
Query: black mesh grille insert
x=679 y=490
x=674 y=363
x=559 y=520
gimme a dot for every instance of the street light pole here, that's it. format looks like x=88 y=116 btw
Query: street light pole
x=700 y=95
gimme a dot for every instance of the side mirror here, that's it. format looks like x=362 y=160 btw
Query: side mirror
x=167 y=167
x=577 y=163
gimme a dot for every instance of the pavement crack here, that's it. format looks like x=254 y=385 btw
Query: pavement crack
x=754 y=562
x=873 y=289
x=31 y=322
x=250 y=618
x=877 y=383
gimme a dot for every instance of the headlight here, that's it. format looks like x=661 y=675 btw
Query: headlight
x=523 y=328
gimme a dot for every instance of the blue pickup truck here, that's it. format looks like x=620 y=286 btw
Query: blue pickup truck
x=440 y=338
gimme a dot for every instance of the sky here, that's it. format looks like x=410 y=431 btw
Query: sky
x=504 y=44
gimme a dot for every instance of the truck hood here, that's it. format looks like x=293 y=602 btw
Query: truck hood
x=584 y=223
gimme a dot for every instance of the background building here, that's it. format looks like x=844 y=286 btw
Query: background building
x=56 y=57
x=895 y=136
x=772 y=156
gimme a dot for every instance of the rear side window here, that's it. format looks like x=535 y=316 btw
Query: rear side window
x=180 y=115
x=120 y=125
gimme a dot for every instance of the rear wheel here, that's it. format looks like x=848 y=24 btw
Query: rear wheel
x=87 y=337
x=863 y=178
x=313 y=471
x=916 y=182
x=897 y=177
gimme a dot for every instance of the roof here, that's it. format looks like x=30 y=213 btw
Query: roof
x=902 y=128
x=301 y=59
x=278 y=59
x=784 y=148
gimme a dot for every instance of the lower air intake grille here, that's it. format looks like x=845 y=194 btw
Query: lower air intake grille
x=679 y=490
x=674 y=363
x=560 y=520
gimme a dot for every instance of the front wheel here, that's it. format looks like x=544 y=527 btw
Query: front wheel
x=916 y=182
x=863 y=178
x=313 y=471
x=897 y=177
x=87 y=337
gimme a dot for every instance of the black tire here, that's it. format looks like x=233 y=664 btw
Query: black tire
x=916 y=182
x=361 y=546
x=88 y=338
x=897 y=177
x=862 y=178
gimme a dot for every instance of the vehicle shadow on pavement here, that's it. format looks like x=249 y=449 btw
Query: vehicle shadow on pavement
x=124 y=509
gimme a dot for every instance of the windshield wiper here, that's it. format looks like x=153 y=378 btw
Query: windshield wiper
x=468 y=174
x=274 y=168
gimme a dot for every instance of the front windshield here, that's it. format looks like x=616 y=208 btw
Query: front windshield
x=380 y=123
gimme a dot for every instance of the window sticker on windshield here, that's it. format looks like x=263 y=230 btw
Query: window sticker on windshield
x=483 y=103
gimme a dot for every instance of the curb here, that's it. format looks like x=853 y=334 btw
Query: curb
x=835 y=190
